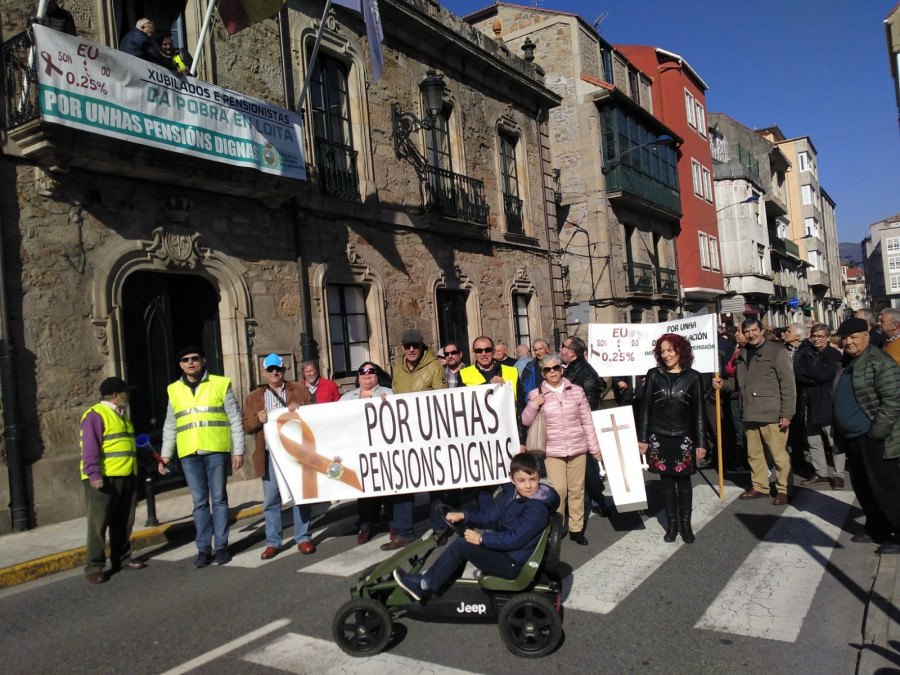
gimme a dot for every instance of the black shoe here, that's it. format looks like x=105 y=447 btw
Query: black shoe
x=671 y=504
x=222 y=557
x=578 y=538
x=862 y=538
x=892 y=547
x=816 y=480
x=685 y=505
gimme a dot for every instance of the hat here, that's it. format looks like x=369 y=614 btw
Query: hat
x=193 y=349
x=411 y=335
x=851 y=326
x=114 y=385
x=440 y=353
x=273 y=360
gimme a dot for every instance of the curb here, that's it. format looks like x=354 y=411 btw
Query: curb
x=67 y=560
x=880 y=630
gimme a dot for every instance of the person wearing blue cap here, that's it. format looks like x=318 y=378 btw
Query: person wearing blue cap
x=275 y=393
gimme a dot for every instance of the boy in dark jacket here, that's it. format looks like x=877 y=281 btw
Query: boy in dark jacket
x=516 y=521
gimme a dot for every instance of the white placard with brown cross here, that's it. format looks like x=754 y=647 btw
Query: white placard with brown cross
x=617 y=434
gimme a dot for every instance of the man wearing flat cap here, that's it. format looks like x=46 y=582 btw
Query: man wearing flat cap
x=867 y=419
x=418 y=370
x=203 y=422
x=109 y=475
x=274 y=394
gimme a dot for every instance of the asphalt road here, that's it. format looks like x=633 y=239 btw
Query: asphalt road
x=763 y=589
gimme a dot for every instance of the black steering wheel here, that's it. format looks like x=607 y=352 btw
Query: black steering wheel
x=442 y=511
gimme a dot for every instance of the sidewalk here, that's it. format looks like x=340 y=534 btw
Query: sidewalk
x=25 y=556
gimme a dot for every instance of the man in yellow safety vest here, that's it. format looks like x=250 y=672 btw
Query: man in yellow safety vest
x=203 y=422
x=109 y=474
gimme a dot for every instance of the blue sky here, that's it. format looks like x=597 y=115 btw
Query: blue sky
x=814 y=68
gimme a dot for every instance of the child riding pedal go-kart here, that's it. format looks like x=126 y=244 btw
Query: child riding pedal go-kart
x=517 y=583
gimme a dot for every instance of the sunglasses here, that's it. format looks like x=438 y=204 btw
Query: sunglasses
x=191 y=359
x=451 y=352
x=366 y=371
x=482 y=350
x=274 y=369
x=412 y=345
x=547 y=369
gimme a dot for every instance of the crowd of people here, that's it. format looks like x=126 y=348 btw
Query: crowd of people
x=795 y=400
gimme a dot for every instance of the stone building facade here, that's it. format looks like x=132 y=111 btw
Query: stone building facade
x=116 y=255
x=617 y=187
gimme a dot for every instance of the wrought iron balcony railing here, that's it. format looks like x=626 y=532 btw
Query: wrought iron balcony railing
x=20 y=87
x=640 y=278
x=512 y=207
x=667 y=281
x=454 y=195
x=338 y=175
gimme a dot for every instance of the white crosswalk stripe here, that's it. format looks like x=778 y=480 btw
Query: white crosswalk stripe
x=294 y=653
x=614 y=573
x=771 y=592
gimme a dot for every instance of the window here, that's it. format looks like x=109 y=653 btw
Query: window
x=697 y=175
x=717 y=146
x=520 y=319
x=622 y=133
x=714 y=254
x=453 y=323
x=634 y=85
x=812 y=227
x=748 y=160
x=606 y=63
x=349 y=327
x=761 y=259
x=330 y=104
x=166 y=15
x=701 y=120
x=894 y=264
x=813 y=258
x=437 y=143
x=803 y=161
x=704 y=250
x=512 y=205
x=895 y=283
x=691 y=109
x=707 y=185
x=892 y=245
x=806 y=192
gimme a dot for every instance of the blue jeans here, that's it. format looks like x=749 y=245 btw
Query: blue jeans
x=593 y=482
x=453 y=560
x=206 y=475
x=402 y=520
x=272 y=511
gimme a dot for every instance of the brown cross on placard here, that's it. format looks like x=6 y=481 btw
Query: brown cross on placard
x=615 y=429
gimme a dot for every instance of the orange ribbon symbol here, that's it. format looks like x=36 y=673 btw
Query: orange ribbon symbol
x=312 y=463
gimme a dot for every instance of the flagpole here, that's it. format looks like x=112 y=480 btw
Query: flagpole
x=207 y=20
x=312 y=60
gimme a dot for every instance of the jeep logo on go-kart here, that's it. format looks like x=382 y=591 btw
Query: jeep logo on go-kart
x=471 y=609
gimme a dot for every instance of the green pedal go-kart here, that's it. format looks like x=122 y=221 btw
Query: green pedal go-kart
x=526 y=609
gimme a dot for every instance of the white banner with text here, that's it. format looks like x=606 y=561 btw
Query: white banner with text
x=622 y=349
x=104 y=91
x=436 y=440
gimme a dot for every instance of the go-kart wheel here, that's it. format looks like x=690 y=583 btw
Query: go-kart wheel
x=362 y=627
x=442 y=511
x=530 y=626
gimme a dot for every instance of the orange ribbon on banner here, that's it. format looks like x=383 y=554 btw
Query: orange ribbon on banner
x=311 y=462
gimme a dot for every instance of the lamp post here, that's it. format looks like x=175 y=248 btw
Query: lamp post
x=406 y=123
x=613 y=162
x=748 y=200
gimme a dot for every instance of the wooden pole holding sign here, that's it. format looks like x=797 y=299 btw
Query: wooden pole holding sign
x=719 y=440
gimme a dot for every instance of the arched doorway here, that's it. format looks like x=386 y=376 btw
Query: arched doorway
x=161 y=314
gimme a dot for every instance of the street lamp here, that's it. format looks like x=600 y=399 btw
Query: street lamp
x=748 y=200
x=406 y=123
x=611 y=164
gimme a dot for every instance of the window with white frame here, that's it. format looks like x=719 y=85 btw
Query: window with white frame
x=807 y=194
x=892 y=245
x=813 y=258
x=895 y=283
x=714 y=254
x=698 y=178
x=803 y=161
x=761 y=258
x=690 y=107
x=701 y=120
x=704 y=250
x=894 y=264
x=707 y=185
x=348 y=327
x=520 y=318
x=812 y=227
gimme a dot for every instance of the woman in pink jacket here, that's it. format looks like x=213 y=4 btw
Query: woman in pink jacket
x=570 y=436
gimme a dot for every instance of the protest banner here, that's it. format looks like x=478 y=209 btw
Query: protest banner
x=103 y=91
x=435 y=440
x=617 y=434
x=622 y=349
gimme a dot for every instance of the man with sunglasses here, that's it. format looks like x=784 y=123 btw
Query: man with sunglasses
x=276 y=393
x=454 y=365
x=418 y=370
x=203 y=422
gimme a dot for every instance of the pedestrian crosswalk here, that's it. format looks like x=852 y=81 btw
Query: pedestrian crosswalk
x=768 y=595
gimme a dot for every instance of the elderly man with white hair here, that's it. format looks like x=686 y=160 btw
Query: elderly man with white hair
x=889 y=323
x=139 y=42
x=793 y=337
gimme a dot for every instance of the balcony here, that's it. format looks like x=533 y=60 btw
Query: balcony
x=454 y=195
x=780 y=295
x=639 y=278
x=337 y=170
x=118 y=115
x=667 y=281
x=512 y=207
x=641 y=191
x=784 y=246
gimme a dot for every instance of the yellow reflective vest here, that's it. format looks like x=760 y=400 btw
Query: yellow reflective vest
x=200 y=419
x=118 y=451
x=472 y=376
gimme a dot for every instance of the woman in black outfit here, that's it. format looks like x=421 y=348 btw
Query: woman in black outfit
x=672 y=429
